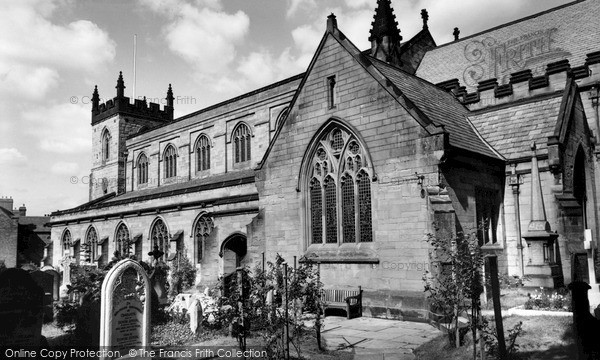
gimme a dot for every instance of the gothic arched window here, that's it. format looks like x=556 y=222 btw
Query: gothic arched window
x=203 y=153
x=142 y=166
x=204 y=227
x=170 y=160
x=91 y=244
x=159 y=236
x=67 y=242
x=105 y=145
x=122 y=240
x=339 y=190
x=241 y=143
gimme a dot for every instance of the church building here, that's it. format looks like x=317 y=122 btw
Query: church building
x=354 y=162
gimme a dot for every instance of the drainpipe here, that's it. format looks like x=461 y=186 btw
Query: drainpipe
x=594 y=98
x=515 y=182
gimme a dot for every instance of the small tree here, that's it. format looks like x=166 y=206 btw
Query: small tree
x=454 y=284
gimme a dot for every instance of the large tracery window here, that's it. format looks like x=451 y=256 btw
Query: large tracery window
x=159 y=235
x=204 y=227
x=241 y=143
x=91 y=245
x=340 y=191
x=142 y=169
x=122 y=240
x=170 y=160
x=203 y=154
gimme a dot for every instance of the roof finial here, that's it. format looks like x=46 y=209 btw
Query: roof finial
x=456 y=33
x=331 y=22
x=425 y=17
x=95 y=99
x=120 y=86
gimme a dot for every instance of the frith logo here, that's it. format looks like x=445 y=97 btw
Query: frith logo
x=493 y=59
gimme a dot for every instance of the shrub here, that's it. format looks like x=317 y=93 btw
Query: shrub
x=542 y=300
x=253 y=311
x=455 y=283
x=183 y=276
x=490 y=338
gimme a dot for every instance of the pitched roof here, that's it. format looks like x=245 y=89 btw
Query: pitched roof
x=564 y=32
x=441 y=107
x=512 y=130
x=179 y=188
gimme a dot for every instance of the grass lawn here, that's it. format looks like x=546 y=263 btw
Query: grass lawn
x=177 y=335
x=509 y=298
x=543 y=337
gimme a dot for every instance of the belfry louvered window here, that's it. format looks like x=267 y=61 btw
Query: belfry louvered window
x=339 y=191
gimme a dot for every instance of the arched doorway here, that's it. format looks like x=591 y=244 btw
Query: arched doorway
x=579 y=256
x=232 y=252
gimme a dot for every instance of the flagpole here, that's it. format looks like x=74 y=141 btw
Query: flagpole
x=134 y=70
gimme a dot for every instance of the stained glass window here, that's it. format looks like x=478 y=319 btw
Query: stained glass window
x=160 y=236
x=67 y=242
x=316 y=210
x=364 y=208
x=348 y=213
x=91 y=242
x=341 y=157
x=122 y=240
x=330 y=211
x=204 y=227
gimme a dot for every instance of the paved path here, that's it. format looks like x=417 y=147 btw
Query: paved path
x=379 y=339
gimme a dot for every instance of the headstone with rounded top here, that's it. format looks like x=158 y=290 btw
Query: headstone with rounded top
x=125 y=309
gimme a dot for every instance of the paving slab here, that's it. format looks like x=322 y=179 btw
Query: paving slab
x=373 y=338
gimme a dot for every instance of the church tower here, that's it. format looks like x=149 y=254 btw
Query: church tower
x=385 y=36
x=112 y=123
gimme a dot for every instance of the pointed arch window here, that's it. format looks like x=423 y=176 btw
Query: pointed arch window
x=105 y=145
x=67 y=242
x=204 y=226
x=159 y=236
x=203 y=153
x=142 y=169
x=91 y=245
x=170 y=161
x=241 y=143
x=122 y=240
x=339 y=190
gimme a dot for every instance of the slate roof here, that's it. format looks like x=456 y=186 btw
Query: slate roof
x=511 y=130
x=183 y=187
x=572 y=28
x=441 y=107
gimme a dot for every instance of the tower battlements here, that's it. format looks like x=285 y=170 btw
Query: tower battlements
x=121 y=104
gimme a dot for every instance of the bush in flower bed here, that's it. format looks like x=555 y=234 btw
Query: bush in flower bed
x=553 y=301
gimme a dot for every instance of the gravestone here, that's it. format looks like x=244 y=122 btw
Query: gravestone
x=46 y=282
x=21 y=308
x=125 y=308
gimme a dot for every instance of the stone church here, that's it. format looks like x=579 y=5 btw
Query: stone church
x=352 y=163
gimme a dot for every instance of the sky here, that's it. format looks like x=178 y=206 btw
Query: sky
x=53 y=52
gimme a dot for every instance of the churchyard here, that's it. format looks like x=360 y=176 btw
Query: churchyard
x=134 y=306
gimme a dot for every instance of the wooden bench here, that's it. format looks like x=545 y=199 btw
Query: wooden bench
x=348 y=300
